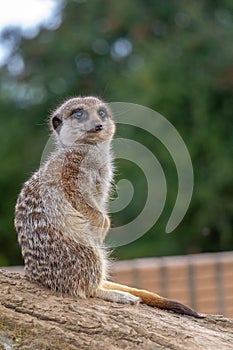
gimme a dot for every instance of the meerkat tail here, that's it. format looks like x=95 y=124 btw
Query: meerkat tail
x=153 y=299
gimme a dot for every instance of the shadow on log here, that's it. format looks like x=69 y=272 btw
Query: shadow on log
x=31 y=318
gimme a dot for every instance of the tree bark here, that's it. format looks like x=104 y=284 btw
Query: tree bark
x=31 y=317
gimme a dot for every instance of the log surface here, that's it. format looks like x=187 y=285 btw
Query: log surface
x=32 y=318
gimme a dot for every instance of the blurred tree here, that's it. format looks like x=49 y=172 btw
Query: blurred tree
x=175 y=57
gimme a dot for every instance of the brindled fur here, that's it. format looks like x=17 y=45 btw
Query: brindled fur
x=61 y=213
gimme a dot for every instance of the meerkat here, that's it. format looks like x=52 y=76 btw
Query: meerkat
x=61 y=214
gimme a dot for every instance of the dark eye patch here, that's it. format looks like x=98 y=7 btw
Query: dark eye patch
x=79 y=109
x=79 y=113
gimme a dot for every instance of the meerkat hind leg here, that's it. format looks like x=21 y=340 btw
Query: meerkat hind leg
x=116 y=296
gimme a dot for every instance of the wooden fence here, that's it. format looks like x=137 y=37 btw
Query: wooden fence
x=203 y=281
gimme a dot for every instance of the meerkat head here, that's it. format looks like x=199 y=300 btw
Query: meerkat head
x=82 y=119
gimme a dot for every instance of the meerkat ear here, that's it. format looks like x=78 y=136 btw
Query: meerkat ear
x=56 y=123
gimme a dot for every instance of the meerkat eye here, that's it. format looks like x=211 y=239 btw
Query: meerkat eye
x=102 y=113
x=79 y=113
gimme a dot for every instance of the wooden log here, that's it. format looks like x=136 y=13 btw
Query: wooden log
x=32 y=318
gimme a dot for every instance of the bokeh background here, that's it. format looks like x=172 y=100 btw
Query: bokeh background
x=175 y=57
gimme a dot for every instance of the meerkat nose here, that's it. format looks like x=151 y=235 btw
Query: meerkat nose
x=98 y=127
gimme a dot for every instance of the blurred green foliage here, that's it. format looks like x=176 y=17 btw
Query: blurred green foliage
x=175 y=57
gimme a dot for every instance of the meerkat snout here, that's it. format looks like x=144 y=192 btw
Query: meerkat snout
x=98 y=127
x=95 y=128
